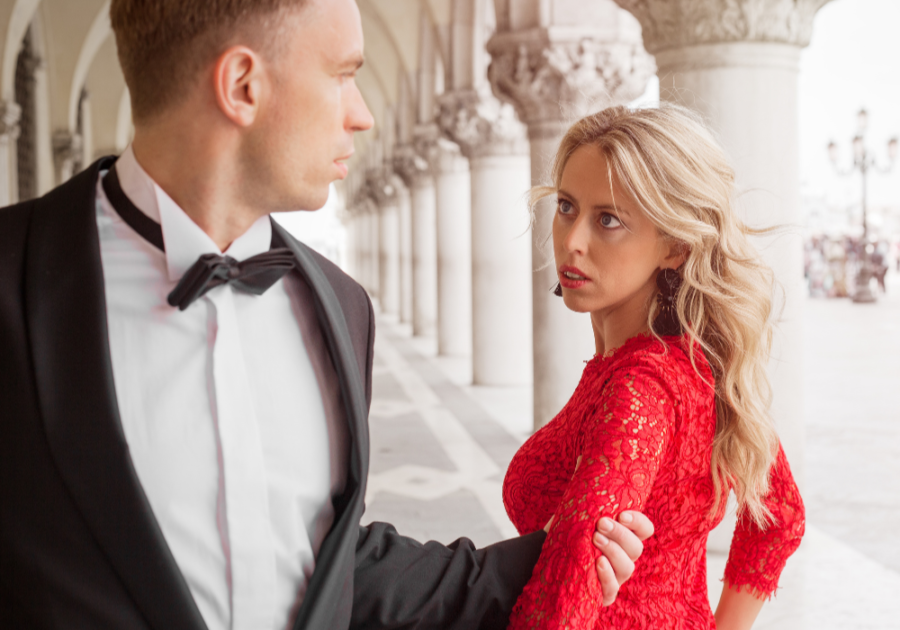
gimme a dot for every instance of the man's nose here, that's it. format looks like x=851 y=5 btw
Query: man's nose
x=359 y=118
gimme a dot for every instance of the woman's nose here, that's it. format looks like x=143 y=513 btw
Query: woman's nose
x=576 y=240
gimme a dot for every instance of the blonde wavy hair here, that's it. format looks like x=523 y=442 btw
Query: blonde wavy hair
x=671 y=165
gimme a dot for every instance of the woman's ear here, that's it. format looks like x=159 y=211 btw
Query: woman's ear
x=677 y=254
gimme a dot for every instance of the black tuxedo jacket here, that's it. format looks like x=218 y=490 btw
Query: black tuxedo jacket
x=79 y=545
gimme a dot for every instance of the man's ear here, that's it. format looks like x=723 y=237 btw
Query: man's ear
x=238 y=84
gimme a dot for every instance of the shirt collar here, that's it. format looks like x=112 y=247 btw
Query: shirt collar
x=185 y=241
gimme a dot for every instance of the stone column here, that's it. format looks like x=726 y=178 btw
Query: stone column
x=413 y=165
x=10 y=112
x=385 y=194
x=404 y=203
x=364 y=211
x=737 y=62
x=67 y=154
x=553 y=78
x=453 y=187
x=496 y=146
x=373 y=245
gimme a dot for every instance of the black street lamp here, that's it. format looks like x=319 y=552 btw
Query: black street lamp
x=864 y=161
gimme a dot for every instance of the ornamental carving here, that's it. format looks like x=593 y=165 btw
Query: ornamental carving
x=380 y=186
x=480 y=124
x=68 y=154
x=670 y=24
x=568 y=79
x=425 y=143
x=10 y=114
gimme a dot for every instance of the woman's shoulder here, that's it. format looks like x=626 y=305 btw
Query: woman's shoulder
x=666 y=360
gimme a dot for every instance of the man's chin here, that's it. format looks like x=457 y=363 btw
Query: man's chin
x=314 y=200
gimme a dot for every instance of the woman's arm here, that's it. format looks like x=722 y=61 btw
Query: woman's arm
x=758 y=554
x=622 y=446
x=737 y=610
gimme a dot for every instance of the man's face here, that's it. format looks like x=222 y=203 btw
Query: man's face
x=306 y=125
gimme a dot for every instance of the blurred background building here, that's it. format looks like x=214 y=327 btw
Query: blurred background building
x=470 y=99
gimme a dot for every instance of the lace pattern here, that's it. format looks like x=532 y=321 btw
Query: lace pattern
x=642 y=421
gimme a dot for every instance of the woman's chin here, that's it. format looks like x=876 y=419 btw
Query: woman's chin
x=576 y=303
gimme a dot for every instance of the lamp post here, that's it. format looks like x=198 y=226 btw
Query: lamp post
x=864 y=161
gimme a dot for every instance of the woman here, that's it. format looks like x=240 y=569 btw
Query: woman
x=672 y=412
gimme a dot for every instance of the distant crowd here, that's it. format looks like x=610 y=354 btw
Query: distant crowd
x=831 y=264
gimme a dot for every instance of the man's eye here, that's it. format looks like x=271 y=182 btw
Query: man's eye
x=564 y=206
x=609 y=221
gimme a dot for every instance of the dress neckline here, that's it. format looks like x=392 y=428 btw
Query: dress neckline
x=639 y=340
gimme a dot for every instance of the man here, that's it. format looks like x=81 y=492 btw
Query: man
x=184 y=439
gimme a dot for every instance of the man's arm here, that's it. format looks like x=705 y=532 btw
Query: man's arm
x=401 y=583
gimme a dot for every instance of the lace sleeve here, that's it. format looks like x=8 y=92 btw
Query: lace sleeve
x=758 y=555
x=621 y=446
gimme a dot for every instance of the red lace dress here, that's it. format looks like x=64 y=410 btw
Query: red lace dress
x=643 y=423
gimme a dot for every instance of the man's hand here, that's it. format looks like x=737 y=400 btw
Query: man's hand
x=621 y=544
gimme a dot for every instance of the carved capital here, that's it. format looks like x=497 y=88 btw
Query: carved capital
x=480 y=124
x=380 y=186
x=410 y=165
x=417 y=161
x=10 y=114
x=565 y=80
x=669 y=24
x=66 y=145
x=67 y=154
x=426 y=140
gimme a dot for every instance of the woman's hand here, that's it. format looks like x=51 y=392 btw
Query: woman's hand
x=621 y=545
x=737 y=610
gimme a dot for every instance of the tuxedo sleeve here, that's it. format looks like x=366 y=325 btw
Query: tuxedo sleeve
x=400 y=583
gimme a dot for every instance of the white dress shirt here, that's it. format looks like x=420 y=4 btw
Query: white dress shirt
x=230 y=409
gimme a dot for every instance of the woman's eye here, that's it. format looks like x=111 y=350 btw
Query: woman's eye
x=564 y=206
x=609 y=221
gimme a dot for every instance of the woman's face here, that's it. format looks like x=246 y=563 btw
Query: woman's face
x=607 y=250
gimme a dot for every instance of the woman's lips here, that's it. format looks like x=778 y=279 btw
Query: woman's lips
x=572 y=277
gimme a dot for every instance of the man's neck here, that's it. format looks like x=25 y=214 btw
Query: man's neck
x=199 y=171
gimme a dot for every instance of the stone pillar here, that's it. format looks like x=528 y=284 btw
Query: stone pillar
x=737 y=64
x=453 y=188
x=412 y=162
x=496 y=146
x=552 y=78
x=67 y=154
x=404 y=203
x=385 y=194
x=364 y=243
x=373 y=241
x=10 y=113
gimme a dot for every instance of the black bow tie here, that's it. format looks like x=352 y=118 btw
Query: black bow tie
x=253 y=275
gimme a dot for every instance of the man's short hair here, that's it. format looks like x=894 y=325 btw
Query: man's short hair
x=164 y=44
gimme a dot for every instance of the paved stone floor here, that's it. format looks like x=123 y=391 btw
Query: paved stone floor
x=440 y=449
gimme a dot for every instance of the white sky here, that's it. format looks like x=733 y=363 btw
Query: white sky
x=853 y=62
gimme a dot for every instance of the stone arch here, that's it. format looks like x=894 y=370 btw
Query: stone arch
x=20 y=18
x=97 y=35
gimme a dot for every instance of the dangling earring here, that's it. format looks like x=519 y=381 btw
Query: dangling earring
x=557 y=290
x=666 y=322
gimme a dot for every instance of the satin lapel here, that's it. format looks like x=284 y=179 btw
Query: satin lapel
x=337 y=554
x=66 y=311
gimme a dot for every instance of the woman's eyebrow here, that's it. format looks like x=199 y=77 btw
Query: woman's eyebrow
x=560 y=192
